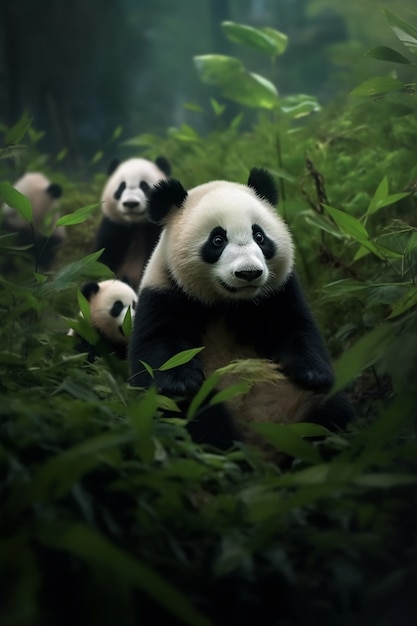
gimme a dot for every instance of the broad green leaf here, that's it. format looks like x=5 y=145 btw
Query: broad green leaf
x=385 y=481
x=96 y=550
x=235 y=82
x=266 y=40
x=77 y=270
x=288 y=441
x=365 y=352
x=127 y=323
x=217 y=69
x=201 y=395
x=380 y=194
x=386 y=54
x=78 y=216
x=299 y=105
x=180 y=359
x=141 y=414
x=230 y=392
x=376 y=86
x=84 y=306
x=16 y=133
x=16 y=200
x=322 y=222
x=405 y=32
x=348 y=224
x=405 y=303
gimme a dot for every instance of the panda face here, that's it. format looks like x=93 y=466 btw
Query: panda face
x=125 y=195
x=226 y=243
x=109 y=301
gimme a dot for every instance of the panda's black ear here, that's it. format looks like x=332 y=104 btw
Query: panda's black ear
x=163 y=198
x=90 y=289
x=263 y=183
x=125 y=279
x=54 y=190
x=113 y=166
x=163 y=164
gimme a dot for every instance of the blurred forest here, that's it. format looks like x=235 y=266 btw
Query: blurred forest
x=83 y=68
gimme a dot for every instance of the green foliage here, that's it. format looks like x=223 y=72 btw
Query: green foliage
x=110 y=514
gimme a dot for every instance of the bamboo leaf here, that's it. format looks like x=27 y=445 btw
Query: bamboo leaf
x=266 y=40
x=16 y=200
x=16 y=133
x=289 y=441
x=180 y=359
x=348 y=224
x=77 y=217
x=376 y=86
x=405 y=32
x=387 y=54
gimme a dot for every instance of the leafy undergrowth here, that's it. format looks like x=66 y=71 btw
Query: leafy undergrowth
x=111 y=515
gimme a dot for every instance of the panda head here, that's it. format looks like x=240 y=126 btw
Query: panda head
x=222 y=241
x=43 y=196
x=126 y=192
x=109 y=301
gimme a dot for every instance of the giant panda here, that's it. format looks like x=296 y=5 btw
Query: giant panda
x=222 y=276
x=125 y=232
x=45 y=237
x=109 y=301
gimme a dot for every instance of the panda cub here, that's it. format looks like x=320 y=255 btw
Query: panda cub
x=109 y=301
x=125 y=232
x=45 y=237
x=222 y=276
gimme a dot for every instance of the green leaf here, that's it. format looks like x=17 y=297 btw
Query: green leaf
x=382 y=198
x=299 y=105
x=84 y=306
x=348 y=224
x=16 y=200
x=148 y=368
x=180 y=359
x=97 y=156
x=96 y=550
x=235 y=82
x=141 y=416
x=405 y=32
x=266 y=40
x=365 y=352
x=74 y=272
x=16 y=133
x=201 y=395
x=343 y=288
x=217 y=107
x=289 y=441
x=405 y=303
x=387 y=54
x=127 y=323
x=62 y=154
x=117 y=132
x=230 y=392
x=77 y=217
x=385 y=481
x=376 y=86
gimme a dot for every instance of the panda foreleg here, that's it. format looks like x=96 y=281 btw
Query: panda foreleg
x=115 y=239
x=298 y=345
x=166 y=323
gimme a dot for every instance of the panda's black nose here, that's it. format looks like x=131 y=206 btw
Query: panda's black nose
x=248 y=275
x=131 y=205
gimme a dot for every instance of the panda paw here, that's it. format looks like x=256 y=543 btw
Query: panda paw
x=182 y=381
x=317 y=377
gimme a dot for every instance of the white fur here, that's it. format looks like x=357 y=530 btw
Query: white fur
x=33 y=185
x=235 y=208
x=132 y=172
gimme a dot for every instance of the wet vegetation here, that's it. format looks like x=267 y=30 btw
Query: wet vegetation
x=109 y=513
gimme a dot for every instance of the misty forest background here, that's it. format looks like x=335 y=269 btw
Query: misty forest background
x=109 y=513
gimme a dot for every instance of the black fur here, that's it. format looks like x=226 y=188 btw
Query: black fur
x=54 y=190
x=280 y=327
x=113 y=165
x=116 y=240
x=263 y=183
x=211 y=252
x=163 y=164
x=164 y=196
x=267 y=245
x=90 y=289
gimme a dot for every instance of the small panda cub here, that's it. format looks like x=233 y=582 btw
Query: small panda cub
x=222 y=276
x=125 y=232
x=109 y=301
x=43 y=196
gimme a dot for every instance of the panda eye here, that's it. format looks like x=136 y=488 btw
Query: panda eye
x=218 y=241
x=144 y=186
x=259 y=237
x=117 y=308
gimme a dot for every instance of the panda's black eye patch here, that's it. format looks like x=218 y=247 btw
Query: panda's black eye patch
x=265 y=243
x=144 y=186
x=214 y=245
x=117 y=308
x=119 y=190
